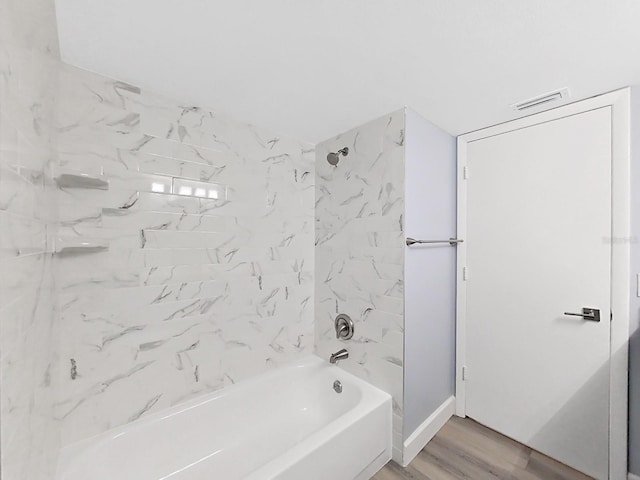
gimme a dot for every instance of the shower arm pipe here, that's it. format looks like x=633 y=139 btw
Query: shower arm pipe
x=452 y=241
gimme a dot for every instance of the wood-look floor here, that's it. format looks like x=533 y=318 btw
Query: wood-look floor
x=466 y=450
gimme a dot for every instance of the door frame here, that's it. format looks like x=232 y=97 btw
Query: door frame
x=619 y=101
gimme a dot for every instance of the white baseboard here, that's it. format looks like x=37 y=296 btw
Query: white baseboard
x=425 y=432
x=633 y=477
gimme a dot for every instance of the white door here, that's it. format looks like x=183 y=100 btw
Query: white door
x=538 y=231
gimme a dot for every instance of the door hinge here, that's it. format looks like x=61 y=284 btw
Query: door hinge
x=464 y=373
x=610 y=316
x=465 y=172
x=465 y=274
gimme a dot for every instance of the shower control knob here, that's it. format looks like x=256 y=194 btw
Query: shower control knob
x=344 y=327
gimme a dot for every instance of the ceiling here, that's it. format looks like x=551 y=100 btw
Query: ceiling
x=314 y=68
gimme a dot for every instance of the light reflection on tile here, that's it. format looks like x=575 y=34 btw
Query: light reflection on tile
x=157 y=187
x=182 y=186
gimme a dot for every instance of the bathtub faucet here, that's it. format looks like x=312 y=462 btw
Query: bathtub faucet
x=339 y=355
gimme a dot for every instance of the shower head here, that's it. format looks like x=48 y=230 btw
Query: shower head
x=334 y=157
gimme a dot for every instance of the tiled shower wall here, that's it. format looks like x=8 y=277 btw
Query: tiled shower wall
x=186 y=266
x=191 y=270
x=28 y=51
x=360 y=254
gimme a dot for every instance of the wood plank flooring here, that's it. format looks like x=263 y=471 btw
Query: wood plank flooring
x=466 y=450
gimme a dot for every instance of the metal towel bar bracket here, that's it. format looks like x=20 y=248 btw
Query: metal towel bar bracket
x=452 y=241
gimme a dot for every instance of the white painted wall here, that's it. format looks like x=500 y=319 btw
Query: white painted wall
x=316 y=68
x=634 y=359
x=430 y=213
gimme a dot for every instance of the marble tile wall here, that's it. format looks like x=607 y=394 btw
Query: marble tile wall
x=191 y=270
x=360 y=252
x=28 y=63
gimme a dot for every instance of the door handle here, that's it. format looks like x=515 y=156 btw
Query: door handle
x=591 y=314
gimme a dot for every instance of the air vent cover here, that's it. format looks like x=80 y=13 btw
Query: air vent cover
x=562 y=94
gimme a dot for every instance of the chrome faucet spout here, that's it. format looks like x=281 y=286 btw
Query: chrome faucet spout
x=339 y=355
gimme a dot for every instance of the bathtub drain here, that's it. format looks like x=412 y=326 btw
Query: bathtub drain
x=337 y=386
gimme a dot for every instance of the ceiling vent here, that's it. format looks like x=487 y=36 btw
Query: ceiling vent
x=562 y=94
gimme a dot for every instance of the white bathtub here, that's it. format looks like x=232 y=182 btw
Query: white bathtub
x=288 y=424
